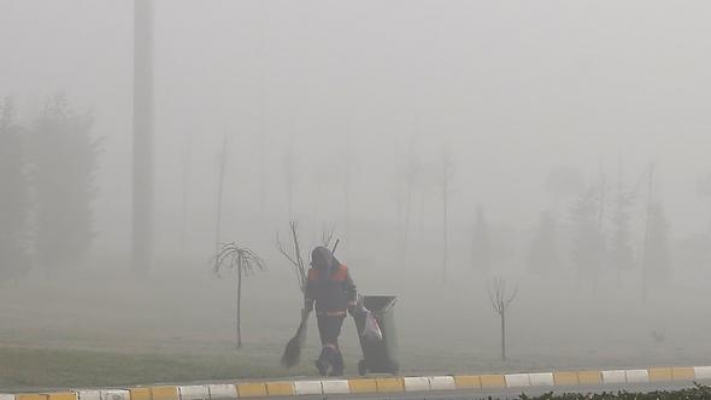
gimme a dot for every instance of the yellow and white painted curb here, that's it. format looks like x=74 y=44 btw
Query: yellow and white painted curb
x=377 y=385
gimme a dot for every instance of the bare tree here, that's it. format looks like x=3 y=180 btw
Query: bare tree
x=659 y=262
x=327 y=235
x=621 y=251
x=413 y=172
x=64 y=158
x=186 y=156
x=244 y=262
x=587 y=249
x=15 y=204
x=647 y=225
x=501 y=302
x=602 y=195
x=563 y=183
x=407 y=180
x=445 y=182
x=294 y=254
x=347 y=176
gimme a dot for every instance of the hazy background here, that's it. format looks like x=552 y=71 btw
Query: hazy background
x=513 y=90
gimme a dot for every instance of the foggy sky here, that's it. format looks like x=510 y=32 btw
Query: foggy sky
x=512 y=88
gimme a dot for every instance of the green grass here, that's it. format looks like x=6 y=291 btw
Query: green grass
x=26 y=369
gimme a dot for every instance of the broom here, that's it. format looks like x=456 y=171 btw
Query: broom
x=292 y=351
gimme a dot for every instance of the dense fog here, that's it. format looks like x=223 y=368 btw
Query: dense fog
x=561 y=146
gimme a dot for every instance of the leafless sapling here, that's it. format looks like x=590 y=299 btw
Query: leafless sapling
x=501 y=302
x=445 y=182
x=294 y=253
x=244 y=262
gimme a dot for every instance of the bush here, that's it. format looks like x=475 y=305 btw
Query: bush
x=699 y=392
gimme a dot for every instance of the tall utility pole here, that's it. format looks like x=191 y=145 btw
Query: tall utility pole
x=142 y=240
x=647 y=223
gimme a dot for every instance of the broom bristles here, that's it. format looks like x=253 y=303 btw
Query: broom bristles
x=292 y=352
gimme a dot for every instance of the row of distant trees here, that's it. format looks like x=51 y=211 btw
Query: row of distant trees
x=609 y=228
x=47 y=184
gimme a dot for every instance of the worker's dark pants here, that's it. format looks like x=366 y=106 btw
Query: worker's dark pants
x=329 y=328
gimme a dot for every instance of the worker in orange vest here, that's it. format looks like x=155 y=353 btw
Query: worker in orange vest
x=330 y=288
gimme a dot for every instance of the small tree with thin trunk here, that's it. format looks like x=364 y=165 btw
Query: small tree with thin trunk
x=185 y=161
x=588 y=242
x=501 y=302
x=445 y=182
x=244 y=262
x=294 y=254
x=64 y=158
x=14 y=201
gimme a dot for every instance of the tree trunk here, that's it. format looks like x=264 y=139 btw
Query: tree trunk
x=289 y=170
x=143 y=168
x=220 y=185
x=645 y=257
x=347 y=189
x=503 y=335
x=445 y=236
x=184 y=206
x=408 y=206
x=239 y=302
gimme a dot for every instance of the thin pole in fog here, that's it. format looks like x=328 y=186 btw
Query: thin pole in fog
x=288 y=164
x=645 y=259
x=220 y=187
x=184 y=206
x=347 y=183
x=262 y=122
x=445 y=183
x=501 y=302
x=603 y=200
x=142 y=235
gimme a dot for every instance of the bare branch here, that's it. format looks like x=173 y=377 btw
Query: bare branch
x=497 y=295
x=295 y=259
x=297 y=248
x=327 y=236
x=283 y=251
x=492 y=297
x=512 y=298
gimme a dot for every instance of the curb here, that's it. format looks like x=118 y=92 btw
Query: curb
x=378 y=385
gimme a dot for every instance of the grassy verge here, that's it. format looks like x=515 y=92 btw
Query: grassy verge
x=26 y=369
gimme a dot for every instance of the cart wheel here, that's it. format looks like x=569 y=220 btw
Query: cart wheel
x=362 y=370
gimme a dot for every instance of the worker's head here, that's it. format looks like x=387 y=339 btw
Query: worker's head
x=321 y=258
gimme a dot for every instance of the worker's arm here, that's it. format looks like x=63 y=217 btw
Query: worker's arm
x=351 y=292
x=309 y=293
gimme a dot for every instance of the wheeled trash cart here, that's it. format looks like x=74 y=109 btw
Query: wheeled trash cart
x=379 y=356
